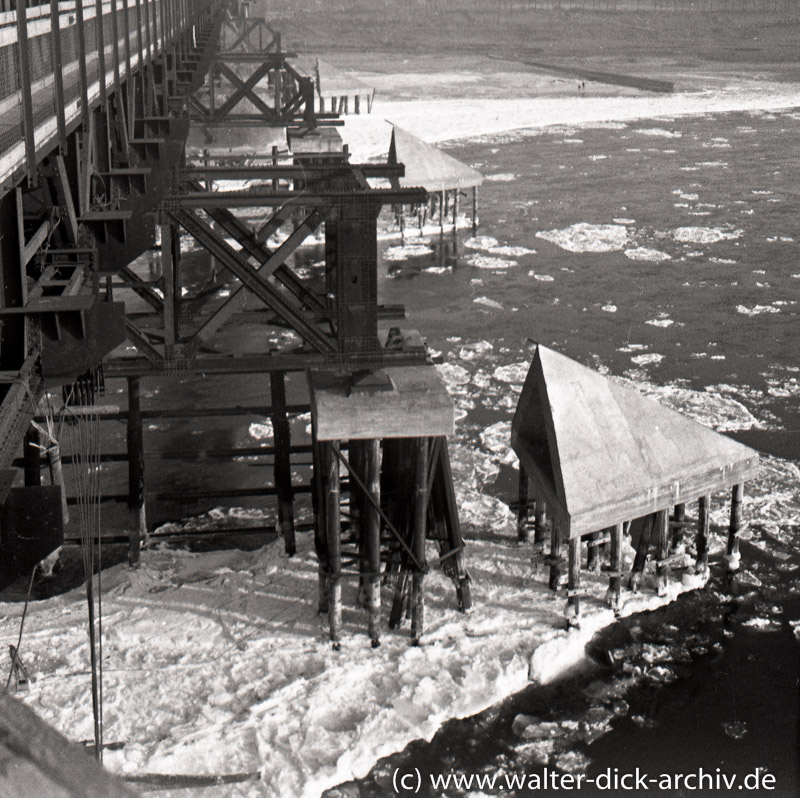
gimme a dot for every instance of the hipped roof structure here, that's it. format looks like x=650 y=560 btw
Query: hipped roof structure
x=428 y=166
x=599 y=453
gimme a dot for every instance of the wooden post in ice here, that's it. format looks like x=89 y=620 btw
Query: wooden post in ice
x=330 y=451
x=418 y=544
x=677 y=526
x=372 y=532
x=442 y=211
x=735 y=528
x=455 y=209
x=593 y=558
x=474 y=209
x=137 y=511
x=662 y=551
x=574 y=582
x=556 y=559
x=522 y=507
x=320 y=525
x=539 y=525
x=615 y=583
x=282 y=468
x=703 y=512
x=642 y=549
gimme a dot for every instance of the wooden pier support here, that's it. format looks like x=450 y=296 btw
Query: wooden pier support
x=137 y=511
x=642 y=550
x=594 y=556
x=574 y=583
x=556 y=558
x=703 y=517
x=539 y=525
x=677 y=525
x=735 y=528
x=474 y=209
x=282 y=467
x=663 y=540
x=615 y=581
x=330 y=457
x=371 y=524
x=522 y=507
x=418 y=539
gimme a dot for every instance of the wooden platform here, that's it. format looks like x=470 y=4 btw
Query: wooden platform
x=599 y=453
x=415 y=405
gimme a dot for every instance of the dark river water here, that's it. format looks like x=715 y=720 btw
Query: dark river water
x=692 y=288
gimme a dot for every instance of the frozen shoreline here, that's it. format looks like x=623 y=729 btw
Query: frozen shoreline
x=438 y=121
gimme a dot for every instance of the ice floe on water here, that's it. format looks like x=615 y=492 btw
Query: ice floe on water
x=659 y=131
x=546 y=278
x=407 y=251
x=647 y=254
x=585 y=237
x=513 y=373
x=493 y=247
x=705 y=235
x=624 y=221
x=647 y=359
x=757 y=310
x=490 y=262
x=489 y=303
x=261 y=430
x=660 y=322
x=609 y=308
x=714 y=407
x=504 y=177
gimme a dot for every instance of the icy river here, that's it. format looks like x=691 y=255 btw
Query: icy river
x=656 y=241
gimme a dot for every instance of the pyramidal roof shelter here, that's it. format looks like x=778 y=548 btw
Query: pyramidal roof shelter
x=428 y=166
x=599 y=454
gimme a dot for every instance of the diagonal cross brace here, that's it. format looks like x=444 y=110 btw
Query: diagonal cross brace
x=250 y=278
x=269 y=265
x=283 y=274
x=142 y=289
x=139 y=340
x=244 y=89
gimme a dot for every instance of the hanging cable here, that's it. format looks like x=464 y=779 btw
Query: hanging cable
x=84 y=425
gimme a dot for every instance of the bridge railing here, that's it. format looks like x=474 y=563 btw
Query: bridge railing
x=43 y=48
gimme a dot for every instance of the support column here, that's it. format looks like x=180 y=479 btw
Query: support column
x=455 y=209
x=522 y=507
x=169 y=269
x=595 y=546
x=642 y=549
x=615 y=583
x=678 y=524
x=539 y=525
x=703 y=514
x=282 y=467
x=556 y=560
x=418 y=539
x=663 y=548
x=735 y=527
x=574 y=583
x=330 y=451
x=372 y=533
x=474 y=209
x=136 y=503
